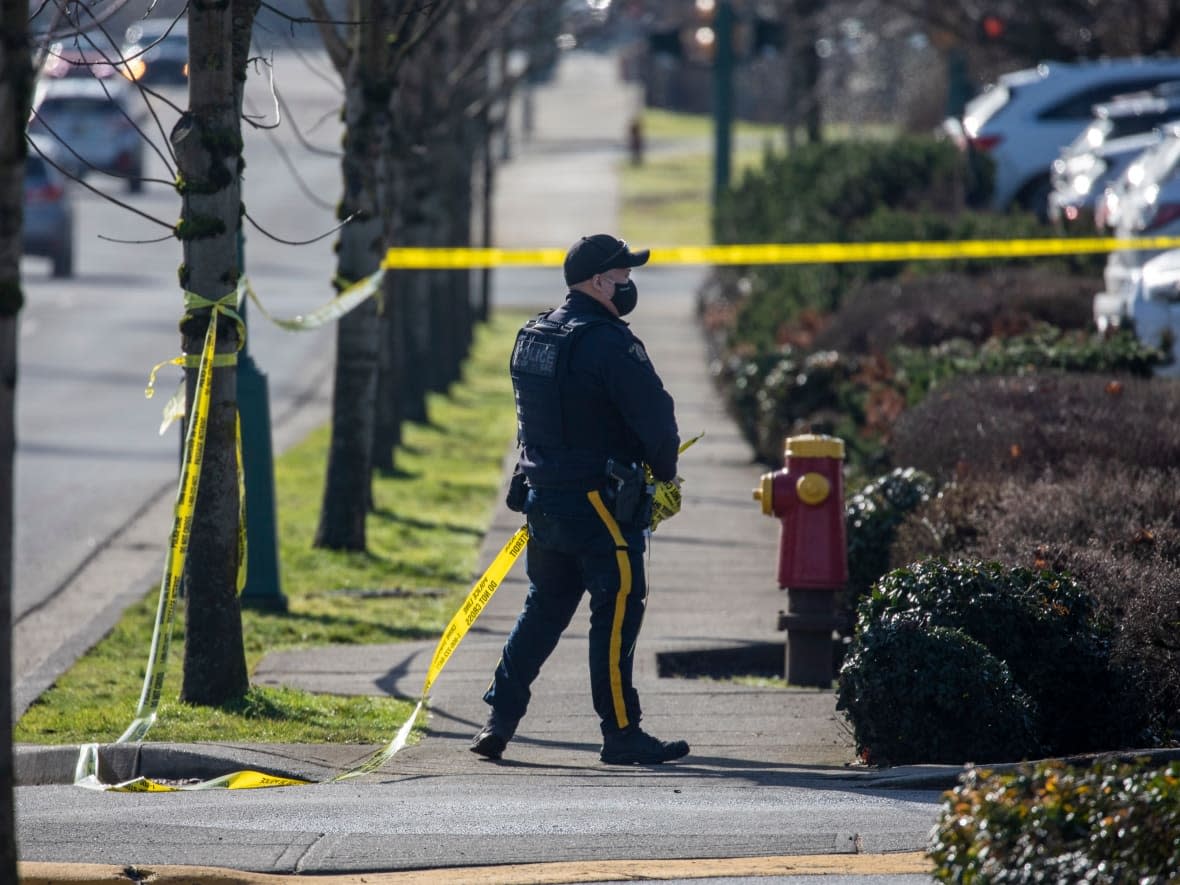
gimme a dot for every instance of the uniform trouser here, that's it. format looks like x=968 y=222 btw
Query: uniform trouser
x=576 y=546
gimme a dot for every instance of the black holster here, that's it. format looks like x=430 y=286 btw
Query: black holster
x=626 y=493
x=518 y=491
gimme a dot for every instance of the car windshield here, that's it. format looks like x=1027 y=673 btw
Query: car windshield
x=54 y=111
x=1132 y=123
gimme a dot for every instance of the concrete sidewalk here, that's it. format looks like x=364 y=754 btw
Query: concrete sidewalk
x=711 y=569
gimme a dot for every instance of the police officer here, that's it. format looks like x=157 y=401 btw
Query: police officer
x=591 y=411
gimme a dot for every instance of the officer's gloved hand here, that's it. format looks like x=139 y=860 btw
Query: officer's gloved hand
x=665 y=501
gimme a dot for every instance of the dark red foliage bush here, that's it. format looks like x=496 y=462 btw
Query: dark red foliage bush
x=923 y=311
x=979 y=426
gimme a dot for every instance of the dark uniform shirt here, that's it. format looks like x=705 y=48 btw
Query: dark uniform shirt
x=610 y=385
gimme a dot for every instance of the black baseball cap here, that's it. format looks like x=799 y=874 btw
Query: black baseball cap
x=591 y=255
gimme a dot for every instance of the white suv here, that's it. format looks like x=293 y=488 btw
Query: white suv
x=1024 y=119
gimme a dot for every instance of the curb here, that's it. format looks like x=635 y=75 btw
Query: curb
x=554 y=873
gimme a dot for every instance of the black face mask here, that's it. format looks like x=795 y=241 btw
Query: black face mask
x=625 y=298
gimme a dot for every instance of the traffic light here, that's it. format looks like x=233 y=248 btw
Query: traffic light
x=992 y=27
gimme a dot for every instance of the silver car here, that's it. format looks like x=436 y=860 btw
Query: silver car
x=48 y=215
x=90 y=121
x=156 y=52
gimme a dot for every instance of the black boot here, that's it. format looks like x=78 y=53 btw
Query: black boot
x=493 y=737
x=633 y=746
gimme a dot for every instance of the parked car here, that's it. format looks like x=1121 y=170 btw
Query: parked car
x=1119 y=131
x=1148 y=204
x=1024 y=119
x=92 y=122
x=1117 y=190
x=1150 y=307
x=48 y=214
x=156 y=52
x=75 y=61
x=1080 y=178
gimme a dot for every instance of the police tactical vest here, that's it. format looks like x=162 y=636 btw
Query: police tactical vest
x=540 y=381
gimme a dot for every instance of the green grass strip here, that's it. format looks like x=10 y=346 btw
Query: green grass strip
x=424 y=535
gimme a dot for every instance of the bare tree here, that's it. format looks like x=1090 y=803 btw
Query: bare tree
x=439 y=105
x=1023 y=33
x=16 y=84
x=207 y=141
x=388 y=32
x=413 y=104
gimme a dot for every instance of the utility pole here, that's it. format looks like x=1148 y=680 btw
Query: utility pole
x=262 y=590
x=722 y=97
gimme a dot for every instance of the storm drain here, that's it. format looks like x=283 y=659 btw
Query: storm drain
x=760 y=659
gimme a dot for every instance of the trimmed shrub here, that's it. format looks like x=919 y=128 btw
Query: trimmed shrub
x=1109 y=824
x=871 y=518
x=996 y=427
x=1114 y=527
x=1042 y=625
x=891 y=225
x=923 y=311
x=907 y=189
x=816 y=193
x=859 y=398
x=774 y=396
x=919 y=693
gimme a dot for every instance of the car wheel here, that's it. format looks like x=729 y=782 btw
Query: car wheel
x=63 y=261
x=1035 y=197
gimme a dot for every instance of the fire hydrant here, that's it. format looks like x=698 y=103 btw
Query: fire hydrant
x=807 y=496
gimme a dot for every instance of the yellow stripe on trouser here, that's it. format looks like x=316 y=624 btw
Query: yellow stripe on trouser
x=616 y=630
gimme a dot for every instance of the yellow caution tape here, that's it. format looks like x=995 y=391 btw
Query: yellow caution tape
x=666 y=498
x=783 y=253
x=86 y=775
x=86 y=770
x=182 y=518
x=459 y=624
x=352 y=295
x=665 y=501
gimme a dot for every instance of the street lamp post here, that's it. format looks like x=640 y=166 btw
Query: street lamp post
x=722 y=97
x=262 y=590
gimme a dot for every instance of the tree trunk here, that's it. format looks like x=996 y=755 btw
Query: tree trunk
x=348 y=483
x=391 y=375
x=208 y=144
x=214 y=659
x=487 y=167
x=16 y=83
x=415 y=298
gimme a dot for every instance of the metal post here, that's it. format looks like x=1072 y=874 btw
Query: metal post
x=262 y=590
x=722 y=97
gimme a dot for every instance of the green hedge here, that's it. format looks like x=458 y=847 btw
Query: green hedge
x=912 y=188
x=1111 y=823
x=871 y=518
x=917 y=693
x=778 y=394
x=1040 y=625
